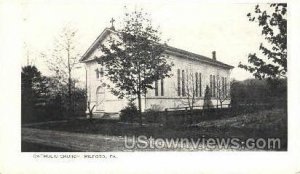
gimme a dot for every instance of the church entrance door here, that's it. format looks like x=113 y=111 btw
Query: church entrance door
x=100 y=99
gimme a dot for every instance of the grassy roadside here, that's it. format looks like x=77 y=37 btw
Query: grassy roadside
x=262 y=124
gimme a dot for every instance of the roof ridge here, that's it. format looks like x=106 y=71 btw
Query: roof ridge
x=191 y=54
x=198 y=55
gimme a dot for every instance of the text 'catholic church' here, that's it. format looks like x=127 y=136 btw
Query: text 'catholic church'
x=171 y=92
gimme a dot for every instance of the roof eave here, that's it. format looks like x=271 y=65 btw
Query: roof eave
x=211 y=62
x=182 y=53
x=104 y=33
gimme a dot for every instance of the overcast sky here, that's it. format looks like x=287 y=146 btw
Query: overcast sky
x=197 y=27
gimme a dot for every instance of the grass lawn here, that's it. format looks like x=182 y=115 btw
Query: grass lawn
x=262 y=124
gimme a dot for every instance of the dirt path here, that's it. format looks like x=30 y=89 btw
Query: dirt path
x=73 y=141
x=80 y=142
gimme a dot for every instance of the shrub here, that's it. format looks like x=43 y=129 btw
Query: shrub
x=153 y=114
x=154 y=108
x=130 y=113
x=207 y=99
x=45 y=98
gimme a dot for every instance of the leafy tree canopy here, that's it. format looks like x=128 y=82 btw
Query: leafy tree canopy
x=273 y=22
x=134 y=58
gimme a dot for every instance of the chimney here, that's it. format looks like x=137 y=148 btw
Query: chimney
x=214 y=55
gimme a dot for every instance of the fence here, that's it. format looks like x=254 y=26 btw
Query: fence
x=184 y=115
x=202 y=107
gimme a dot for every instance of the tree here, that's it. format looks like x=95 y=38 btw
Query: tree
x=191 y=89
x=90 y=110
x=133 y=58
x=256 y=91
x=35 y=90
x=64 y=58
x=221 y=88
x=29 y=76
x=273 y=22
x=236 y=91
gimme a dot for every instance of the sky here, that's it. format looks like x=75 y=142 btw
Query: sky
x=193 y=26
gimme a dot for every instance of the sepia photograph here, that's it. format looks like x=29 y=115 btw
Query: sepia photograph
x=137 y=80
x=139 y=86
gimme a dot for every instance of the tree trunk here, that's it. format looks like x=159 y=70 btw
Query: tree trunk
x=140 y=108
x=191 y=115
x=70 y=93
x=139 y=96
x=69 y=85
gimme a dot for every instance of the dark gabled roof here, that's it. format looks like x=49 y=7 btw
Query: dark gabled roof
x=204 y=59
x=169 y=49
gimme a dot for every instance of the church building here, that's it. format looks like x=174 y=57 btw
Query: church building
x=191 y=74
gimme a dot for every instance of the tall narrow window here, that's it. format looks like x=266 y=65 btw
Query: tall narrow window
x=223 y=87
x=156 y=88
x=210 y=84
x=218 y=89
x=226 y=92
x=178 y=82
x=200 y=84
x=196 y=90
x=183 y=83
x=97 y=73
x=101 y=72
x=162 y=87
x=214 y=86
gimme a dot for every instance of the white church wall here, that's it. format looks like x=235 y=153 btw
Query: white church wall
x=170 y=99
x=111 y=102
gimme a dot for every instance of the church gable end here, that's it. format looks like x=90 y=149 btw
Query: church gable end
x=169 y=92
